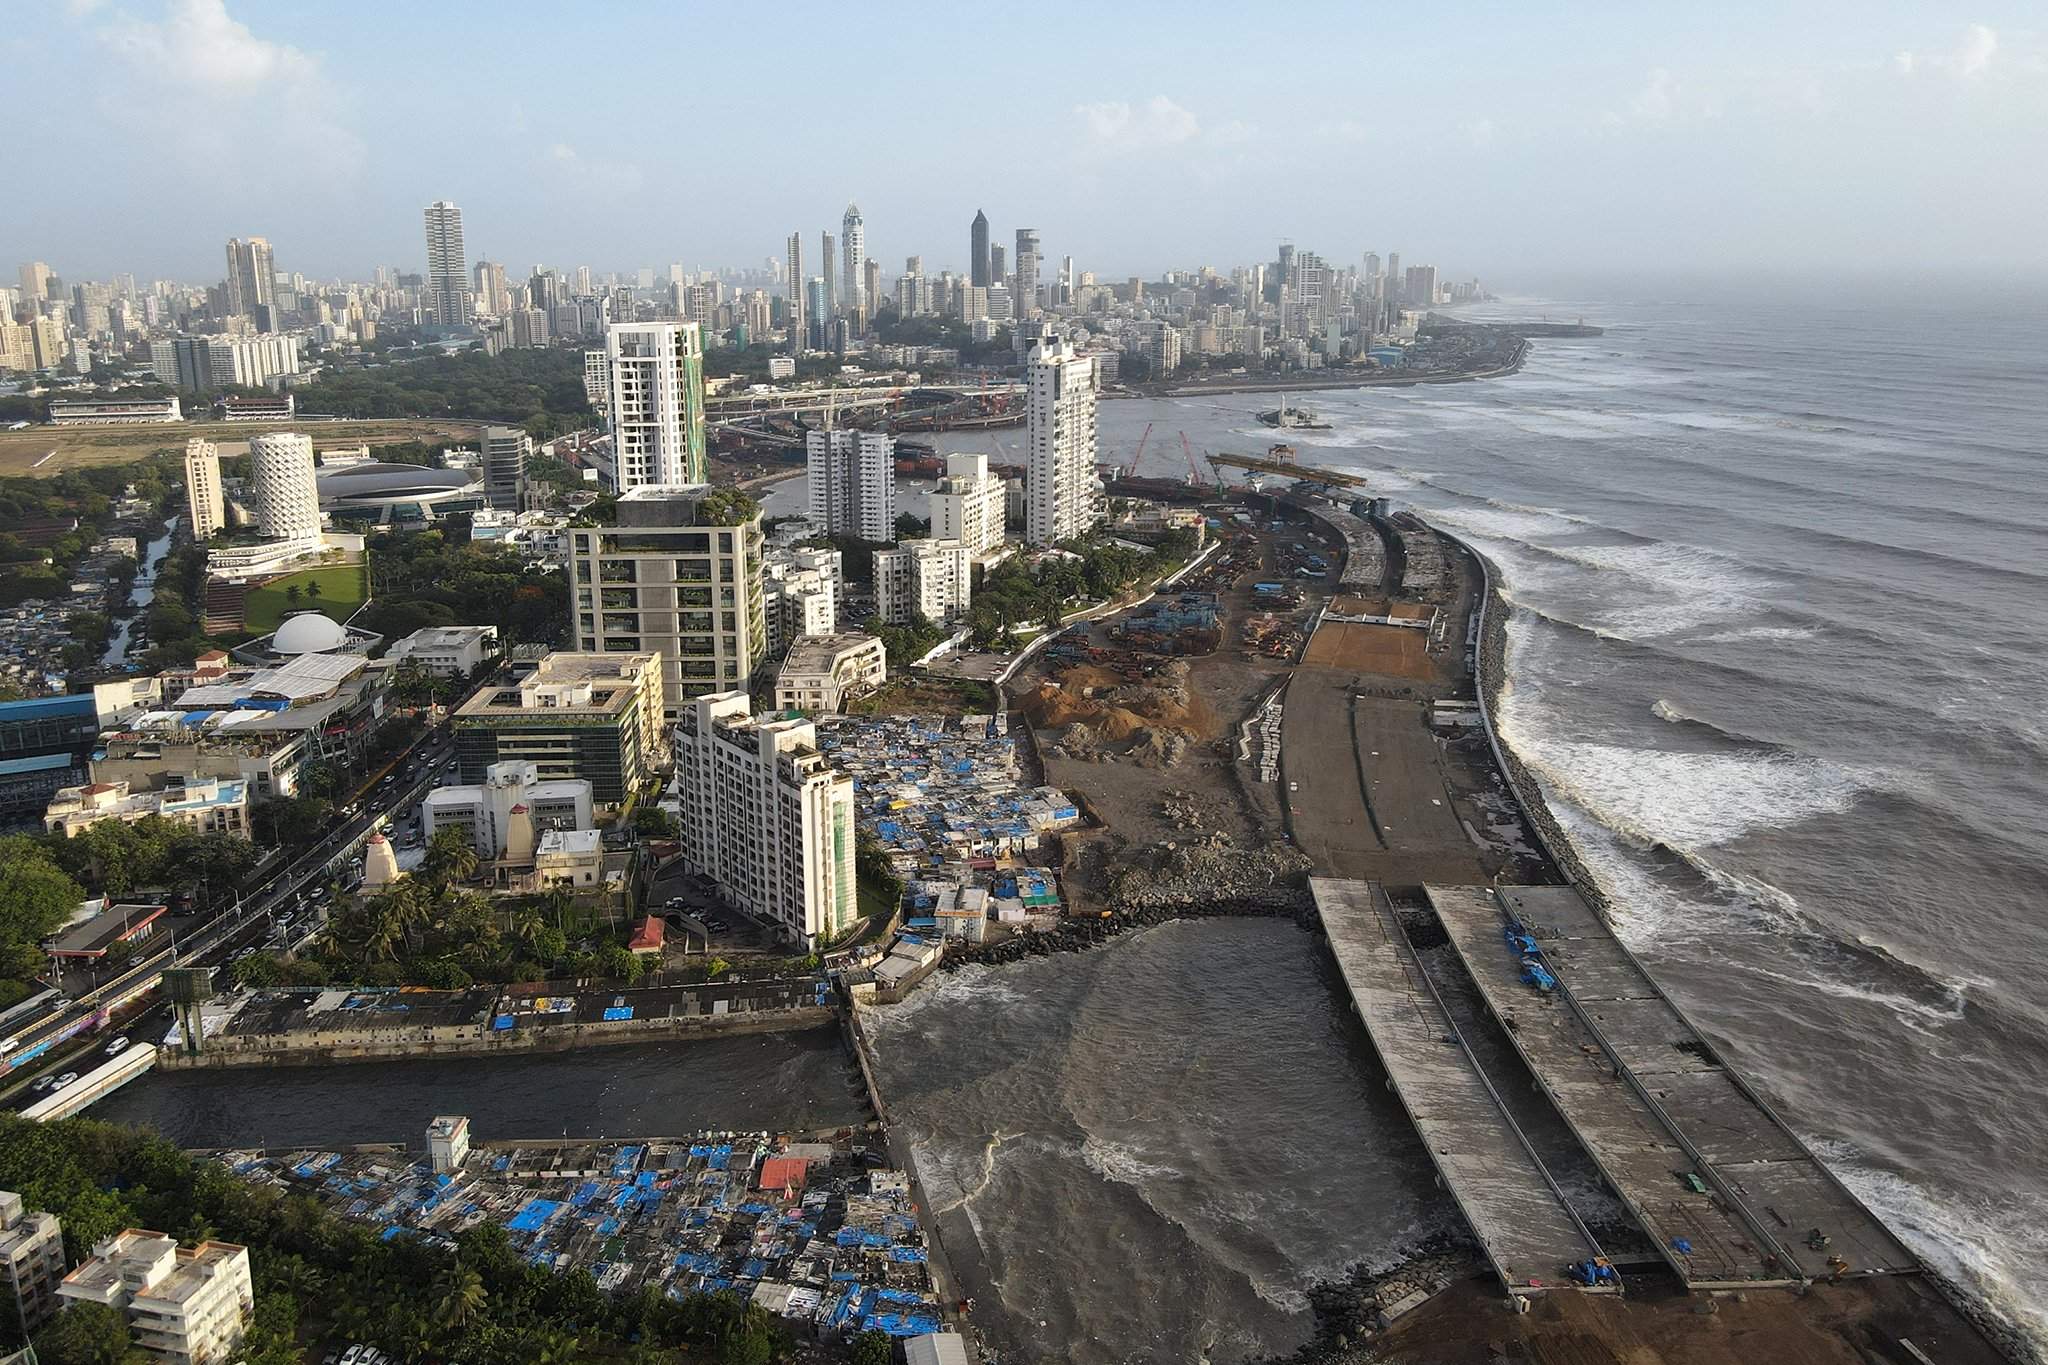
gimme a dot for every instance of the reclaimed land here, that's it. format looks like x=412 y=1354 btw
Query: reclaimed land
x=1369 y=788
x=88 y=446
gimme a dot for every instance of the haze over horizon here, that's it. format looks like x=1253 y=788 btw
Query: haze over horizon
x=1865 y=137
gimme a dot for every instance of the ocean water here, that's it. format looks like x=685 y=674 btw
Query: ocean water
x=1781 y=661
x=1158 y=1145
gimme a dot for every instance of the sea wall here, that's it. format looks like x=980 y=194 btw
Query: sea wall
x=1490 y=666
x=325 y=1046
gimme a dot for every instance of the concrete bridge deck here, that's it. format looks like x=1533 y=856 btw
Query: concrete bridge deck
x=1653 y=1104
x=1528 y=1234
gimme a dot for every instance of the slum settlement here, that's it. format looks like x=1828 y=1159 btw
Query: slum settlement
x=821 y=1232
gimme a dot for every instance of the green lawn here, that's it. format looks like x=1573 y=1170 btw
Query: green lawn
x=342 y=590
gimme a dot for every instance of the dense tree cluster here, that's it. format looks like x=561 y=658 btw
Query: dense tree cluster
x=422 y=578
x=88 y=495
x=1015 y=595
x=36 y=897
x=540 y=389
x=430 y=929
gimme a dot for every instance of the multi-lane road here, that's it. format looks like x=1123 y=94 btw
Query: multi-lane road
x=282 y=905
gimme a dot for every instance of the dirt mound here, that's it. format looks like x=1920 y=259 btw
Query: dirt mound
x=1099 y=713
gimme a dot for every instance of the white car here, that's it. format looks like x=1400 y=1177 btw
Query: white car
x=119 y=1046
x=66 y=1079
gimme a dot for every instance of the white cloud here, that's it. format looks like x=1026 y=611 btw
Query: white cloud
x=1479 y=132
x=1118 y=126
x=1655 y=101
x=200 y=44
x=575 y=173
x=1968 y=59
x=1344 y=130
x=1974 y=53
x=190 y=70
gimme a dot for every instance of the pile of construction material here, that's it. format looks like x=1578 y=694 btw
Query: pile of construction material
x=1211 y=869
x=1100 y=714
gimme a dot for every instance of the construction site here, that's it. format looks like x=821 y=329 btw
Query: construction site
x=1314 y=707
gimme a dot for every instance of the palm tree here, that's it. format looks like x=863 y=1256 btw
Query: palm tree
x=300 y=1278
x=292 y=595
x=451 y=857
x=558 y=903
x=552 y=1347
x=458 y=1294
x=313 y=589
x=526 y=927
x=383 y=934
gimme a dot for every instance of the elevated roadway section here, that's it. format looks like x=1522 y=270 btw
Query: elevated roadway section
x=1525 y=1228
x=1728 y=1193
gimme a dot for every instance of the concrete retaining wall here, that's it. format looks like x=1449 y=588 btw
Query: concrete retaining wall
x=328 y=1046
x=1490 y=663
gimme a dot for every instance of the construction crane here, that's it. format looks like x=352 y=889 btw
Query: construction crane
x=1194 y=470
x=1131 y=469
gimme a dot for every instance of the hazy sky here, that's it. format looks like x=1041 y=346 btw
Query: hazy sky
x=1498 y=139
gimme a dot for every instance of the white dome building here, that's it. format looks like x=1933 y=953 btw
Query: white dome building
x=308 y=633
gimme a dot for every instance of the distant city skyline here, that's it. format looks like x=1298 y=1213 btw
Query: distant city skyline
x=1832 y=136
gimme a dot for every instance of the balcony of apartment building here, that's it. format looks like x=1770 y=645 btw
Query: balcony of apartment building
x=693 y=571
x=618 y=571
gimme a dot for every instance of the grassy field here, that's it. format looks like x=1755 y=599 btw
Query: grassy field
x=87 y=446
x=342 y=590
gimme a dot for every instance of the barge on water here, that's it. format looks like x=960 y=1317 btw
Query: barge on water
x=1293 y=419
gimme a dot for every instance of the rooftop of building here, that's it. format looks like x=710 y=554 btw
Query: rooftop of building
x=40 y=708
x=572 y=843
x=307 y=677
x=102 y=931
x=445 y=637
x=817 y=653
x=611 y=680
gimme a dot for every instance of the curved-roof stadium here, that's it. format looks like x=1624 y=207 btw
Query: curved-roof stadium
x=396 y=492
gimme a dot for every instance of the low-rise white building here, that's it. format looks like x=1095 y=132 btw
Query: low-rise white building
x=448 y=1142
x=485 y=810
x=205 y=805
x=447 y=651
x=766 y=817
x=569 y=860
x=189 y=1307
x=821 y=671
x=32 y=1259
x=929 y=578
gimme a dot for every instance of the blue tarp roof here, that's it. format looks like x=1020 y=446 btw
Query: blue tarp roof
x=35 y=708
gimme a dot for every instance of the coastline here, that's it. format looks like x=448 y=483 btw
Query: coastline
x=1296 y=383
x=1490 y=668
